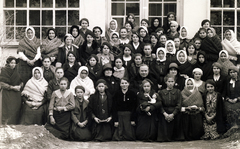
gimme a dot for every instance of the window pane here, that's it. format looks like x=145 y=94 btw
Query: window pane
x=60 y=3
x=44 y=32
x=9 y=17
x=216 y=17
x=132 y=8
x=118 y=9
x=218 y=31
x=228 y=18
x=238 y=33
x=34 y=17
x=9 y=33
x=120 y=22
x=9 y=3
x=60 y=18
x=20 y=32
x=137 y=21
x=155 y=9
x=228 y=3
x=47 y=17
x=132 y=0
x=238 y=16
x=73 y=3
x=61 y=31
x=73 y=17
x=37 y=32
x=216 y=3
x=47 y=3
x=169 y=8
x=21 y=17
x=35 y=3
x=155 y=0
x=117 y=0
x=21 y=3
x=238 y=3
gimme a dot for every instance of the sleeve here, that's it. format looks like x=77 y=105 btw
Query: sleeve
x=38 y=55
x=51 y=104
x=71 y=103
x=179 y=102
x=49 y=90
x=22 y=56
x=74 y=118
x=5 y=86
x=160 y=102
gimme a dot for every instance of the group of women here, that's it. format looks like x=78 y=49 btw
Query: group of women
x=148 y=83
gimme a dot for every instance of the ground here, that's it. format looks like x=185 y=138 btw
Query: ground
x=37 y=137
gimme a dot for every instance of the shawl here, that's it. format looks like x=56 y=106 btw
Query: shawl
x=225 y=65
x=78 y=41
x=174 y=49
x=36 y=88
x=10 y=76
x=185 y=53
x=119 y=73
x=191 y=98
x=29 y=46
x=87 y=83
x=50 y=47
x=163 y=50
x=232 y=46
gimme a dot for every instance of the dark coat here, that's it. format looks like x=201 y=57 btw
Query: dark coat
x=62 y=57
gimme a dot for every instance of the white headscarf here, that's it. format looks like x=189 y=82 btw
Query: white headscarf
x=180 y=36
x=33 y=30
x=113 y=20
x=185 y=53
x=193 y=81
x=223 y=51
x=164 y=51
x=232 y=46
x=174 y=48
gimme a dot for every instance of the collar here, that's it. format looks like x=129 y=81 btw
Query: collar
x=59 y=94
x=173 y=91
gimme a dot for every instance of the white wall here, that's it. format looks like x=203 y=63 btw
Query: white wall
x=193 y=12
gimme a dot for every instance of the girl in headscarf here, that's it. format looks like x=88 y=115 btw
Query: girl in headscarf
x=50 y=45
x=185 y=68
x=224 y=61
x=77 y=38
x=184 y=41
x=171 y=51
x=33 y=94
x=231 y=45
x=113 y=25
x=11 y=85
x=173 y=33
x=192 y=108
x=29 y=54
x=120 y=71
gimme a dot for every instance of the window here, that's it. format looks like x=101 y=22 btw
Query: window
x=40 y=14
x=224 y=15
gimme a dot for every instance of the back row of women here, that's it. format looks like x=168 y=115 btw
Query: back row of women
x=127 y=85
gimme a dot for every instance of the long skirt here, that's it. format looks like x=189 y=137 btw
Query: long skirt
x=170 y=131
x=80 y=134
x=11 y=107
x=192 y=126
x=33 y=116
x=102 y=131
x=146 y=127
x=125 y=131
x=61 y=129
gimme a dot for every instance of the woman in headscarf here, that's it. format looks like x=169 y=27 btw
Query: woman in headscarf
x=171 y=51
x=82 y=79
x=155 y=23
x=11 y=84
x=192 y=108
x=183 y=35
x=77 y=38
x=29 y=53
x=50 y=45
x=113 y=25
x=224 y=61
x=232 y=46
x=34 y=97
x=184 y=66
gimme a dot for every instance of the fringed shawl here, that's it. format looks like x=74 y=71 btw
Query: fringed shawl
x=191 y=98
x=10 y=76
x=78 y=41
x=50 y=47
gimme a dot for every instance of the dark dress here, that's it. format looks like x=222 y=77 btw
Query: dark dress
x=11 y=100
x=179 y=83
x=159 y=70
x=102 y=109
x=70 y=72
x=186 y=68
x=171 y=101
x=95 y=72
x=112 y=83
x=85 y=52
x=62 y=54
x=147 y=125
x=220 y=84
x=139 y=49
x=124 y=111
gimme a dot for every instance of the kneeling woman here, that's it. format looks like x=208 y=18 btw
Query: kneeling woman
x=60 y=107
x=124 y=113
x=192 y=108
x=34 y=109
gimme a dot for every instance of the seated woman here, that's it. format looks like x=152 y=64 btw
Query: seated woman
x=115 y=42
x=192 y=108
x=11 y=85
x=71 y=67
x=224 y=61
x=77 y=38
x=34 y=97
x=232 y=46
x=50 y=45
x=83 y=80
x=199 y=84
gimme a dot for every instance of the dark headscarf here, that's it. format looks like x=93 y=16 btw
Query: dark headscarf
x=51 y=29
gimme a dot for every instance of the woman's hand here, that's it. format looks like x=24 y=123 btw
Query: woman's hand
x=52 y=120
x=53 y=59
x=109 y=119
x=81 y=125
x=116 y=124
x=147 y=109
x=133 y=123
x=97 y=120
x=171 y=117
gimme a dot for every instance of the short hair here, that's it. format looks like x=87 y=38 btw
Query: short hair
x=64 y=79
x=125 y=78
x=45 y=57
x=202 y=29
x=162 y=35
x=137 y=54
x=58 y=69
x=169 y=76
x=147 y=44
x=84 y=19
x=191 y=44
x=79 y=87
x=97 y=27
x=121 y=29
x=128 y=22
x=143 y=65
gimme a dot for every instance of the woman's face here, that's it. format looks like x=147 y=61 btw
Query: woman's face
x=206 y=25
x=127 y=51
x=114 y=38
x=159 y=33
x=202 y=34
x=105 y=50
x=170 y=47
x=201 y=58
x=184 y=32
x=197 y=44
x=181 y=57
x=190 y=85
x=118 y=63
x=59 y=74
x=147 y=50
x=63 y=85
x=123 y=33
x=233 y=74
x=147 y=87
x=30 y=33
x=84 y=24
x=37 y=74
x=177 y=42
x=51 y=34
x=128 y=26
x=210 y=33
x=124 y=84
x=197 y=76
x=108 y=72
x=89 y=38
x=101 y=87
x=71 y=58
x=12 y=64
x=112 y=25
x=74 y=32
x=68 y=41
x=163 y=39
x=130 y=18
x=142 y=32
x=228 y=35
x=135 y=38
x=153 y=40
x=143 y=23
x=173 y=27
x=191 y=49
x=170 y=83
x=210 y=88
x=216 y=70
x=161 y=55
x=92 y=61
x=156 y=22
x=138 y=60
x=83 y=74
x=79 y=93
x=46 y=62
x=223 y=57
x=173 y=71
x=171 y=18
x=97 y=32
